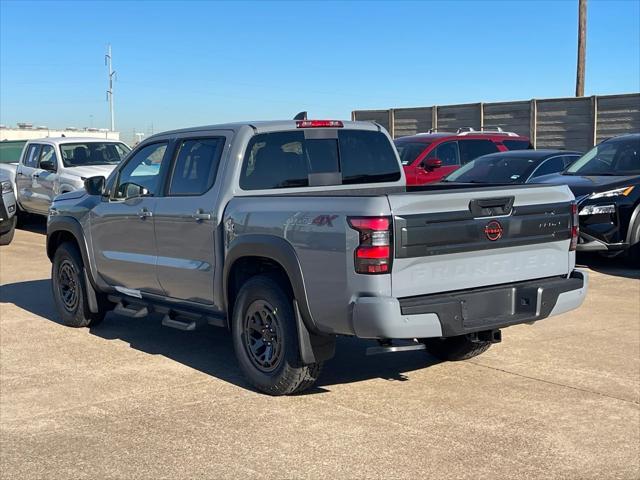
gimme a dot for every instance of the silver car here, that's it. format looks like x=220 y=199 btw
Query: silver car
x=51 y=166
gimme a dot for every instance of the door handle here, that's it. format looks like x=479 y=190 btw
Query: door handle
x=20 y=173
x=144 y=213
x=199 y=216
x=36 y=175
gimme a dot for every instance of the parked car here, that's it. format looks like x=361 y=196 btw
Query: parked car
x=290 y=233
x=606 y=183
x=10 y=151
x=519 y=166
x=429 y=157
x=7 y=209
x=51 y=166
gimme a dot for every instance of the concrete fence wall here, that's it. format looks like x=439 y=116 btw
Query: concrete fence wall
x=569 y=123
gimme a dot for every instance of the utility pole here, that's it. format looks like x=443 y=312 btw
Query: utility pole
x=112 y=73
x=582 y=46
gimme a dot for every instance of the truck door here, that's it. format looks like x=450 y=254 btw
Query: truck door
x=47 y=177
x=24 y=177
x=185 y=220
x=122 y=228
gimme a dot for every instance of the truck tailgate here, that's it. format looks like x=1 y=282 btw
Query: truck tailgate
x=460 y=239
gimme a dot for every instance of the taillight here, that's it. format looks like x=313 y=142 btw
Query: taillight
x=319 y=124
x=575 y=229
x=373 y=254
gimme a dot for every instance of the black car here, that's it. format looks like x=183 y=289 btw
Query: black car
x=606 y=183
x=515 y=166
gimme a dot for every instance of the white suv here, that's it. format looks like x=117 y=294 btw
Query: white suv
x=51 y=166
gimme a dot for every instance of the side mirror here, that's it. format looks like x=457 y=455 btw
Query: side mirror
x=47 y=165
x=94 y=185
x=432 y=164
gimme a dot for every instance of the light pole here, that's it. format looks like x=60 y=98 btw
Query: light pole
x=582 y=46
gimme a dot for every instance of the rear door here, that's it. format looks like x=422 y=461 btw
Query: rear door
x=469 y=238
x=185 y=220
x=448 y=153
x=47 y=177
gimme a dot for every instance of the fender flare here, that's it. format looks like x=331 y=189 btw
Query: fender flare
x=276 y=249
x=314 y=345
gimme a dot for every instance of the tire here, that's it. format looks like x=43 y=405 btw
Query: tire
x=7 y=237
x=455 y=348
x=69 y=289
x=634 y=248
x=265 y=339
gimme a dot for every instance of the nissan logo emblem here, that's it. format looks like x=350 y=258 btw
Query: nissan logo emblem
x=493 y=230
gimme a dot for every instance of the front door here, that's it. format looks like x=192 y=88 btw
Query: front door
x=47 y=178
x=25 y=171
x=185 y=220
x=122 y=226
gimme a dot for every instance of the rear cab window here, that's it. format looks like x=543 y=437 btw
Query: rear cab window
x=295 y=158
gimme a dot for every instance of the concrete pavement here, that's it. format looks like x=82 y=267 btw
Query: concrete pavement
x=131 y=399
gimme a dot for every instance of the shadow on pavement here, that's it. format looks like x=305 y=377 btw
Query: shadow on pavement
x=210 y=350
x=618 y=266
x=33 y=223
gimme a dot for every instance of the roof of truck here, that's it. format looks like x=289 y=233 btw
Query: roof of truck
x=63 y=140
x=266 y=126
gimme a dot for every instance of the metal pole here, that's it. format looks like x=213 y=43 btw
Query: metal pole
x=112 y=73
x=582 y=46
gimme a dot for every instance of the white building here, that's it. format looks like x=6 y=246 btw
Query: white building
x=26 y=131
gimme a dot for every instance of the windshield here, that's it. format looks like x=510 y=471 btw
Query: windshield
x=93 y=153
x=409 y=151
x=10 y=151
x=619 y=156
x=494 y=169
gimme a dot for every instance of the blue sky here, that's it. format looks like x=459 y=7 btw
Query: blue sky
x=189 y=63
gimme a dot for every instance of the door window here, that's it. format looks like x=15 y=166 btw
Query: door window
x=550 y=165
x=141 y=175
x=195 y=166
x=48 y=154
x=472 y=149
x=569 y=159
x=447 y=153
x=31 y=160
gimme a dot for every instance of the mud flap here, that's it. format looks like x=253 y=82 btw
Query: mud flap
x=313 y=348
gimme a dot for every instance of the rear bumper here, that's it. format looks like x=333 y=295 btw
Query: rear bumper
x=468 y=311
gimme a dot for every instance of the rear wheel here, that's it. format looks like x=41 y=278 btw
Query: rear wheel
x=265 y=339
x=455 y=348
x=70 y=291
x=5 y=238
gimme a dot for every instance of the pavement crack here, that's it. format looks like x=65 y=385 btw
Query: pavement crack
x=557 y=384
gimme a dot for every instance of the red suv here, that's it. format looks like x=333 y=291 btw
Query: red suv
x=428 y=157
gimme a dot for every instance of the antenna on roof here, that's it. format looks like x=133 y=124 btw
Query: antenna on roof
x=301 y=116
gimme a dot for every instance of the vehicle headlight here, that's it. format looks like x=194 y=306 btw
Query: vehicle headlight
x=613 y=193
x=598 y=209
x=6 y=187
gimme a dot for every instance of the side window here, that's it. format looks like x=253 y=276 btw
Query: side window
x=31 y=158
x=517 y=144
x=447 y=153
x=472 y=149
x=48 y=154
x=550 y=165
x=196 y=165
x=141 y=174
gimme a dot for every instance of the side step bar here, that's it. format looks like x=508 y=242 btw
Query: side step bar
x=388 y=347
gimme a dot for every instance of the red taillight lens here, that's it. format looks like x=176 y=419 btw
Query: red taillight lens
x=319 y=124
x=575 y=228
x=373 y=254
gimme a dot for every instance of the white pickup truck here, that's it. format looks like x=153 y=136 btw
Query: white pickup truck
x=51 y=166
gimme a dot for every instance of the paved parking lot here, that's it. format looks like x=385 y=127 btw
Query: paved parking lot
x=131 y=399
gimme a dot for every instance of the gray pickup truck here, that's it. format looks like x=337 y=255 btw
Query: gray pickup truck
x=290 y=233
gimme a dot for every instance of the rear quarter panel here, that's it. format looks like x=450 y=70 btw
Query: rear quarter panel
x=317 y=229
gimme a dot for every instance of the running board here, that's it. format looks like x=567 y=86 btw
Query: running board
x=394 y=348
x=130 y=310
x=186 y=324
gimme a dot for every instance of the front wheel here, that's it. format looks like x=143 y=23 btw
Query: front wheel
x=70 y=291
x=455 y=348
x=265 y=339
